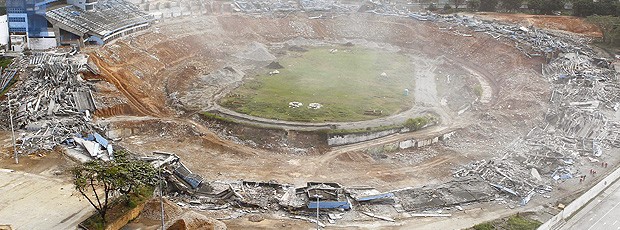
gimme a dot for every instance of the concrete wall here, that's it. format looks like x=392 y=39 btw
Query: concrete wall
x=334 y=140
x=42 y=43
x=578 y=203
x=411 y=143
x=388 y=147
x=125 y=218
x=406 y=144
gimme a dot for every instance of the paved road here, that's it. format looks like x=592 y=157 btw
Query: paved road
x=31 y=201
x=601 y=213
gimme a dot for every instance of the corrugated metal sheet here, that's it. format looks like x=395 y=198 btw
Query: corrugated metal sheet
x=102 y=141
x=183 y=172
x=330 y=205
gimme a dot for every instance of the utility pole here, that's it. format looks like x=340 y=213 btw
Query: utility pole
x=161 y=198
x=317 y=196
x=8 y=97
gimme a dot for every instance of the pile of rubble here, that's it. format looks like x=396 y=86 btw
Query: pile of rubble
x=265 y=6
x=461 y=191
x=386 y=8
x=52 y=103
x=577 y=125
x=531 y=41
x=269 y=6
x=334 y=200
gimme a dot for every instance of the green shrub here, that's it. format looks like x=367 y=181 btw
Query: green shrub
x=431 y=7
x=213 y=116
x=484 y=226
x=518 y=222
x=5 y=61
x=478 y=90
x=416 y=123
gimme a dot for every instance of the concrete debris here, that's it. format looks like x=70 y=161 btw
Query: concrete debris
x=245 y=196
x=375 y=198
x=561 y=173
x=463 y=190
x=527 y=198
x=504 y=189
x=535 y=174
x=576 y=125
x=51 y=103
x=507 y=177
x=531 y=41
x=276 y=6
x=176 y=171
x=194 y=180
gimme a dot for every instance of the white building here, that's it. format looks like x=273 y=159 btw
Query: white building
x=4 y=30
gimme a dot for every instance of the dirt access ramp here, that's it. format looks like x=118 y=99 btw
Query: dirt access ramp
x=551 y=22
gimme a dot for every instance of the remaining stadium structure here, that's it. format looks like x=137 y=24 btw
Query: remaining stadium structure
x=44 y=24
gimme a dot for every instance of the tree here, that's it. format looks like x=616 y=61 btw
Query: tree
x=545 y=6
x=457 y=3
x=584 y=8
x=135 y=174
x=431 y=7
x=511 y=5
x=609 y=26
x=488 y=5
x=606 y=7
x=447 y=7
x=473 y=5
x=99 y=181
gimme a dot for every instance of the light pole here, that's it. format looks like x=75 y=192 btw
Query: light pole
x=8 y=97
x=161 y=197
x=318 y=202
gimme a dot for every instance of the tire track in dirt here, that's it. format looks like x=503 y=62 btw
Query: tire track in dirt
x=215 y=139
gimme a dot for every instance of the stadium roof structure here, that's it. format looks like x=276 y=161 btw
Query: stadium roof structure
x=108 y=18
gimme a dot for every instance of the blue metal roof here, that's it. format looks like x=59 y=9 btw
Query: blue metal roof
x=102 y=141
x=330 y=205
x=88 y=137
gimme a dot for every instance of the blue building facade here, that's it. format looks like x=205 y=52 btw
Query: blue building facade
x=28 y=17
